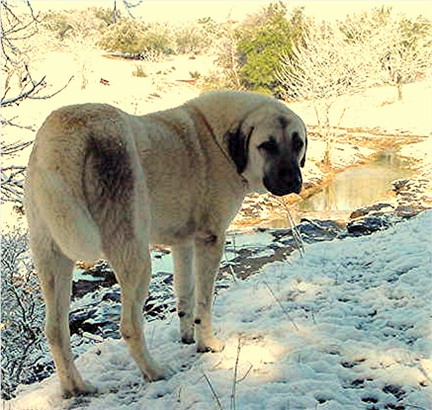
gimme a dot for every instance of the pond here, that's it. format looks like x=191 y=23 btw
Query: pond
x=359 y=186
x=350 y=189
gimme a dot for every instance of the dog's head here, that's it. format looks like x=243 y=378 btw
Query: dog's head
x=268 y=148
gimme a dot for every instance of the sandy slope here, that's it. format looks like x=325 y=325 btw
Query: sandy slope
x=167 y=84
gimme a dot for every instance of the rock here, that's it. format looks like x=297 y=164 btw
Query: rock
x=399 y=184
x=311 y=230
x=315 y=230
x=406 y=211
x=102 y=276
x=112 y=296
x=379 y=207
x=78 y=317
x=367 y=225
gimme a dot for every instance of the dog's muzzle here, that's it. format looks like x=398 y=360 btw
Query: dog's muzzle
x=284 y=185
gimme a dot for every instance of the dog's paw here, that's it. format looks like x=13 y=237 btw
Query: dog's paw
x=212 y=345
x=187 y=340
x=81 y=389
x=154 y=374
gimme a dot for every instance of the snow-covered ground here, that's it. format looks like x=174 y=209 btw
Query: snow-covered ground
x=346 y=326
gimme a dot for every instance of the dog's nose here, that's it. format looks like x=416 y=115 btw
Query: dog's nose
x=290 y=176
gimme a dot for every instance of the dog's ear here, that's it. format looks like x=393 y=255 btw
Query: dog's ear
x=237 y=142
x=303 y=160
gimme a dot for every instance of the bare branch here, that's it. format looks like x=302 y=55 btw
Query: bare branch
x=10 y=123
x=45 y=97
x=212 y=389
x=34 y=87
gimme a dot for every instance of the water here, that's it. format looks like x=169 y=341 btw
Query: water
x=360 y=186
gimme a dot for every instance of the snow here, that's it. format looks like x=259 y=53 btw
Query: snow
x=346 y=326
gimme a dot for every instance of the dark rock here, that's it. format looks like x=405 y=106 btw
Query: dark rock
x=367 y=225
x=394 y=390
x=399 y=184
x=78 y=317
x=103 y=276
x=311 y=230
x=113 y=296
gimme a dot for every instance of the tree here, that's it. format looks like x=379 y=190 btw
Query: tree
x=262 y=40
x=228 y=56
x=405 y=52
x=400 y=47
x=18 y=25
x=195 y=37
x=321 y=69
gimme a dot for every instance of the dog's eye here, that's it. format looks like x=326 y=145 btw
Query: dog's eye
x=297 y=142
x=270 y=146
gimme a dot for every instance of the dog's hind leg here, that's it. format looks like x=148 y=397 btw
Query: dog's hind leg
x=184 y=285
x=55 y=273
x=207 y=256
x=132 y=265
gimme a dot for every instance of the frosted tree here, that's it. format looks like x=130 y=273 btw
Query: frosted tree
x=399 y=47
x=405 y=51
x=321 y=69
x=22 y=313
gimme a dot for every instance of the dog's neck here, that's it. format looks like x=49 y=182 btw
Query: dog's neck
x=220 y=144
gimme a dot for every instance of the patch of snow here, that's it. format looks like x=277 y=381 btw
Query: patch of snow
x=345 y=327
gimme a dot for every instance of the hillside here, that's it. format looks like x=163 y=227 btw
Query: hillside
x=345 y=327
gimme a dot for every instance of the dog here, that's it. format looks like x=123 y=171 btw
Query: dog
x=103 y=183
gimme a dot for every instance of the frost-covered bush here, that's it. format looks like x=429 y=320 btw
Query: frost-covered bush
x=197 y=37
x=22 y=314
x=136 y=38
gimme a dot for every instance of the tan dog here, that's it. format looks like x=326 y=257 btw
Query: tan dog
x=105 y=183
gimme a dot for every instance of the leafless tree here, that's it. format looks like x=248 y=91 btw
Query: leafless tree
x=323 y=68
x=400 y=47
x=16 y=27
x=128 y=5
x=405 y=51
x=227 y=54
x=18 y=24
x=12 y=176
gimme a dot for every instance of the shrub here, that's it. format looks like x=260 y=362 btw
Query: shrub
x=126 y=37
x=23 y=344
x=195 y=38
x=133 y=37
x=262 y=41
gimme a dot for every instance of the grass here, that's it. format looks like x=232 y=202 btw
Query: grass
x=139 y=72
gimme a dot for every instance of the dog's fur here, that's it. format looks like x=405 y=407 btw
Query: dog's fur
x=104 y=183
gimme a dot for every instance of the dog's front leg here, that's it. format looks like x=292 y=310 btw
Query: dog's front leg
x=208 y=254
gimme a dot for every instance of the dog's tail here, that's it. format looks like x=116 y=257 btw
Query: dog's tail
x=66 y=216
x=55 y=200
